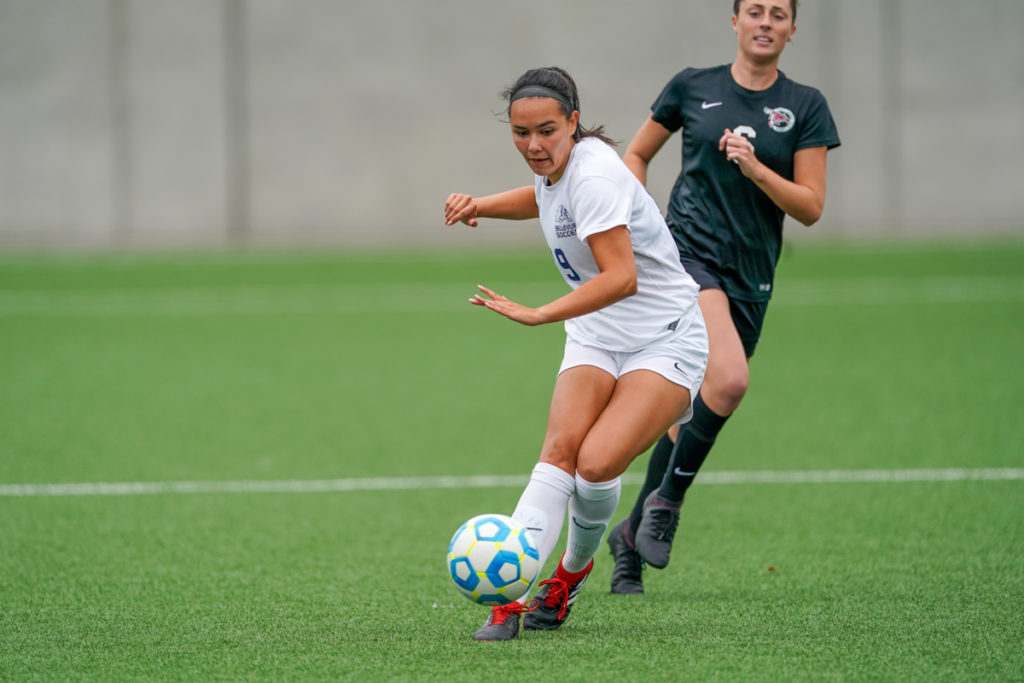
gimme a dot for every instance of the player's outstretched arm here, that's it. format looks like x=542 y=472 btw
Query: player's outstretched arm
x=517 y=204
x=613 y=252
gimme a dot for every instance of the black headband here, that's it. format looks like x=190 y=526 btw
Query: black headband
x=541 y=91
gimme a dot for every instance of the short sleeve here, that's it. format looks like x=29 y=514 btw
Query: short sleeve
x=598 y=204
x=668 y=108
x=818 y=130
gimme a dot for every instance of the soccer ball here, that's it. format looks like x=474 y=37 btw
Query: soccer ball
x=493 y=560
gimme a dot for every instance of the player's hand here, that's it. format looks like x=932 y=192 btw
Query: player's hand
x=460 y=207
x=507 y=308
x=739 y=150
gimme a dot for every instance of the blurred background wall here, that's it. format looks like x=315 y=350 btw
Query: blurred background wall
x=138 y=123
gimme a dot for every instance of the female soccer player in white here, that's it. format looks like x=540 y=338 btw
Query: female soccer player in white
x=636 y=345
x=754 y=147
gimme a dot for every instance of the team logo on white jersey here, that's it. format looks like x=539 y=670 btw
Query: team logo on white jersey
x=780 y=119
x=565 y=225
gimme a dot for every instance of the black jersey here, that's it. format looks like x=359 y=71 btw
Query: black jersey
x=718 y=215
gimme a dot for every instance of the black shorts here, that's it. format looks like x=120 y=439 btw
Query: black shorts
x=747 y=316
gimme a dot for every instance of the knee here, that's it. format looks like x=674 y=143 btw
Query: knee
x=596 y=471
x=726 y=389
x=560 y=452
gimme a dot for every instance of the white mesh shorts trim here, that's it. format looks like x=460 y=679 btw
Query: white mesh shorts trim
x=681 y=360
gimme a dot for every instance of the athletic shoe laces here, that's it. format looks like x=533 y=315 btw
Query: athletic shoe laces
x=501 y=613
x=668 y=520
x=557 y=595
x=664 y=519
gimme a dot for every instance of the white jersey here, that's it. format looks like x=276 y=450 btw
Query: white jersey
x=597 y=192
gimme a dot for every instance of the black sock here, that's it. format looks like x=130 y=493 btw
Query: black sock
x=692 y=447
x=656 y=468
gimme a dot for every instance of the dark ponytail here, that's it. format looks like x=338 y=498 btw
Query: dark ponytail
x=562 y=89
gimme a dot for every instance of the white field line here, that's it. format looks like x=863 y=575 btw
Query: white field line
x=894 y=290
x=298 y=299
x=269 y=300
x=139 y=488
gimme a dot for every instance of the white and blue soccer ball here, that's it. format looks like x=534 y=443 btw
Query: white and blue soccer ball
x=493 y=560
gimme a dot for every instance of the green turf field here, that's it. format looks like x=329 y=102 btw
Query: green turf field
x=195 y=378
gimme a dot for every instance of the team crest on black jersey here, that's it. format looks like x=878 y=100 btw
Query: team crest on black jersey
x=780 y=119
x=565 y=226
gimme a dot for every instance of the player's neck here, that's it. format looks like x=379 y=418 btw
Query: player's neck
x=754 y=76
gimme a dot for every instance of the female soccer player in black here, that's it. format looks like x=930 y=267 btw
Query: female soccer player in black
x=754 y=147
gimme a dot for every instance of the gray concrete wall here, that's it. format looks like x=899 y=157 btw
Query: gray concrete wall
x=274 y=122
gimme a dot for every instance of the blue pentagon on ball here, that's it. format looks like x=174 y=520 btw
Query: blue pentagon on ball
x=492 y=559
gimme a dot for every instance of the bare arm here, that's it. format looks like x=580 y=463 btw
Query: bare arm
x=644 y=145
x=613 y=252
x=517 y=204
x=803 y=198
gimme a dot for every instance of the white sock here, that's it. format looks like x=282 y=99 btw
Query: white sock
x=590 y=510
x=541 y=508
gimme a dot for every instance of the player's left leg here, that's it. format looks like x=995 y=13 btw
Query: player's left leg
x=642 y=407
x=590 y=509
x=725 y=384
x=733 y=329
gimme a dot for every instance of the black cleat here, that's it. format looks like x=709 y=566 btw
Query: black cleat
x=502 y=623
x=657 y=529
x=626 y=577
x=554 y=602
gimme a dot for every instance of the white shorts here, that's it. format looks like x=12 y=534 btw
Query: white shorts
x=681 y=359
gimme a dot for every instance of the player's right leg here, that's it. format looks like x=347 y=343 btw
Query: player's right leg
x=590 y=509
